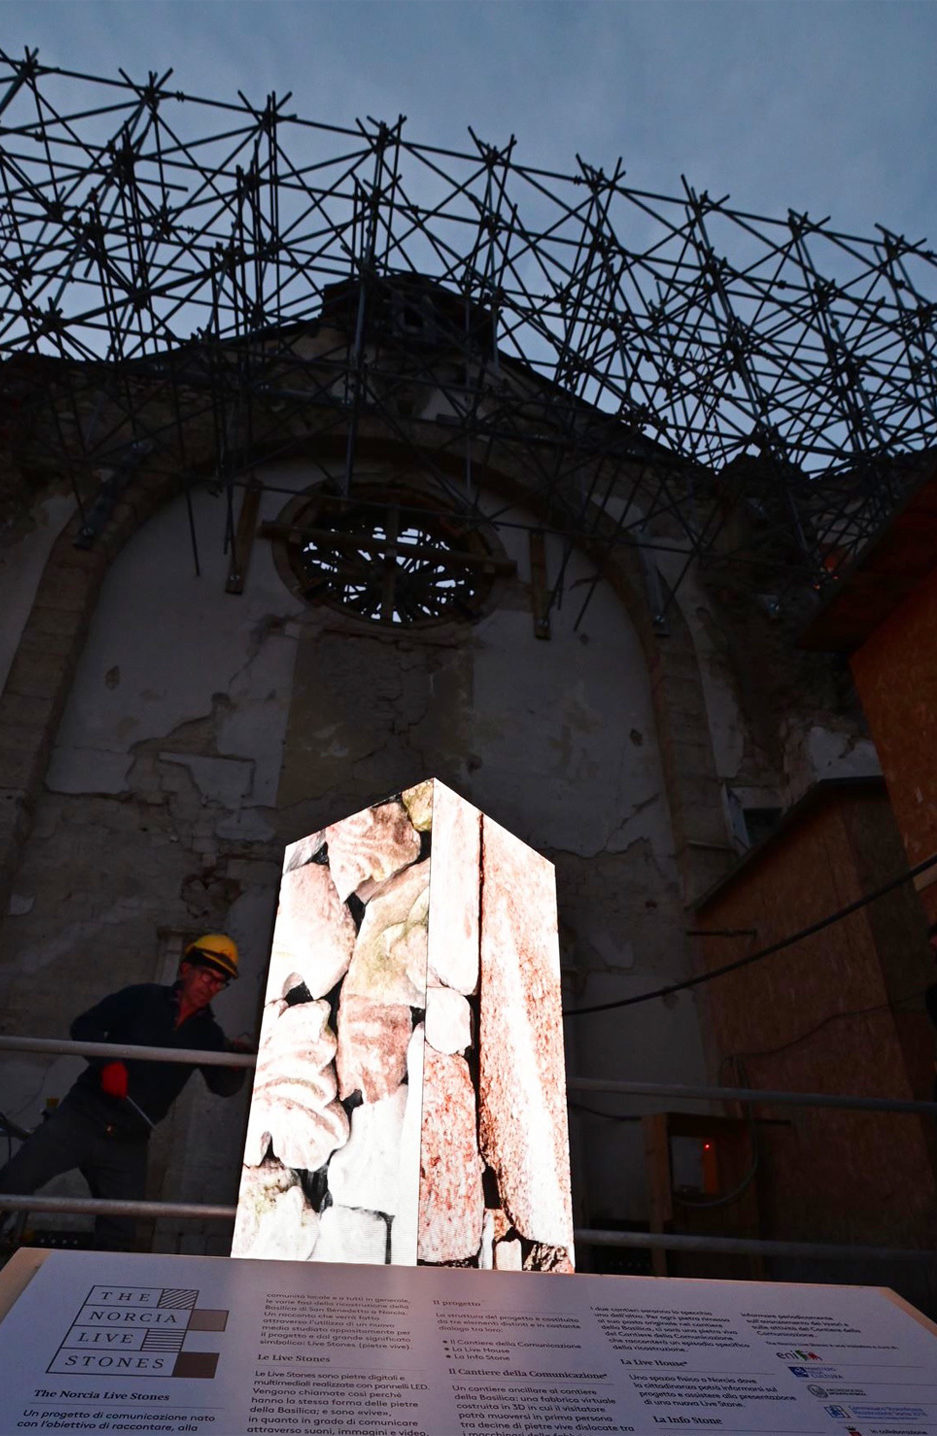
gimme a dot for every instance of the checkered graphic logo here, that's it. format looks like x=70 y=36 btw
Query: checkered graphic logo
x=138 y=1331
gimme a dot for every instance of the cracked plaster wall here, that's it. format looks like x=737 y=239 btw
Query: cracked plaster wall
x=205 y=731
x=743 y=755
x=780 y=720
x=730 y=732
x=158 y=813
x=556 y=741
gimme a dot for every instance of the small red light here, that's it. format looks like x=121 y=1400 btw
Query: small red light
x=710 y=1169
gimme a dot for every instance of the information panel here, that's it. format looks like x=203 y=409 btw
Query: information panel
x=120 y=1343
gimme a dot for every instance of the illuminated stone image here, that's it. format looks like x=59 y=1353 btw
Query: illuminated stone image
x=409 y=1101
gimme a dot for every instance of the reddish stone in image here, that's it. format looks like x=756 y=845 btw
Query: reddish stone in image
x=522 y=1093
x=451 y=1202
x=372 y=1046
x=371 y=846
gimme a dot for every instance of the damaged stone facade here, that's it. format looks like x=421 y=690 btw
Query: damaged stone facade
x=409 y=1102
x=162 y=741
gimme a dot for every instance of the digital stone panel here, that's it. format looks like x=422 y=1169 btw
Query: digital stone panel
x=409 y=1102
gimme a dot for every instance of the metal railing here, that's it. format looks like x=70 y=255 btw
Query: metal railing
x=104 y=1207
x=669 y=1241
x=124 y=1051
x=673 y=1091
x=751 y=1096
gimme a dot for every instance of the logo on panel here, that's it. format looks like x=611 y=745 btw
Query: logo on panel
x=139 y=1331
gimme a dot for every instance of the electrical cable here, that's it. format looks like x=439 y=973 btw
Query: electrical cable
x=811 y=1031
x=611 y=1116
x=764 y=952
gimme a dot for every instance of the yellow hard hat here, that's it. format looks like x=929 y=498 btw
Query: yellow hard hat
x=217 y=950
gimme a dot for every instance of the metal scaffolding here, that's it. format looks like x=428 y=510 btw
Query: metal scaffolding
x=671 y=373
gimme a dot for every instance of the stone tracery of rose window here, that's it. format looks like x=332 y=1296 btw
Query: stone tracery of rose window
x=387 y=557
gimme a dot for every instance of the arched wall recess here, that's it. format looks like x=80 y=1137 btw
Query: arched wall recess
x=33 y=699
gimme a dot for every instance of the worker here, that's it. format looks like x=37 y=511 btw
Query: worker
x=103 y=1124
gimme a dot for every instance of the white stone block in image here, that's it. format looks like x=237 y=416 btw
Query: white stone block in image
x=274 y=1220
x=448 y=1020
x=411 y=1039
x=365 y=1172
x=314 y=935
x=346 y=1234
x=403 y=1231
x=454 y=893
x=293 y=1113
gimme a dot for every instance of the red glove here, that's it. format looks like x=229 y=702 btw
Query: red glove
x=113 y=1076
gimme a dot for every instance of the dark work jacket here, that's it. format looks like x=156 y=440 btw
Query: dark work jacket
x=146 y=1015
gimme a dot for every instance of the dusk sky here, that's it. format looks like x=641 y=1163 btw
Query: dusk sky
x=826 y=106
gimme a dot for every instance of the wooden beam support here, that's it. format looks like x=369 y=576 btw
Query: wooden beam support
x=539 y=593
x=244 y=538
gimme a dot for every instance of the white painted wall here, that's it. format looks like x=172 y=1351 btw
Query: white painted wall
x=165 y=642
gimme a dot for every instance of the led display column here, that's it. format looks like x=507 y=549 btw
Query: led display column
x=409 y=1103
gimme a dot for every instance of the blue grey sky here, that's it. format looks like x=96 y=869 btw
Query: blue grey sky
x=826 y=106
